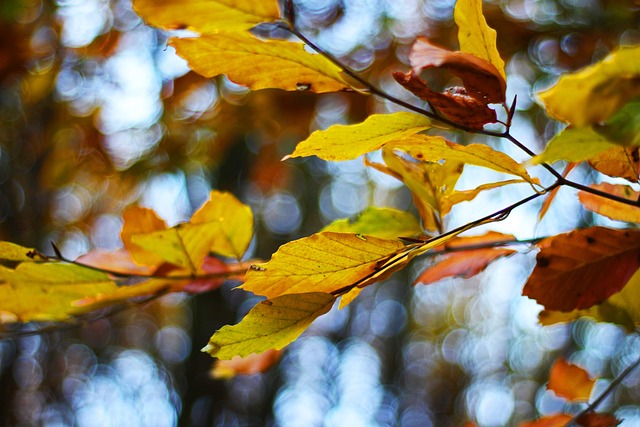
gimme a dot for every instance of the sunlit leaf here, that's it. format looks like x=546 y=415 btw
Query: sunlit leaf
x=271 y=324
x=10 y=252
x=474 y=35
x=340 y=142
x=206 y=16
x=570 y=381
x=260 y=64
x=582 y=268
x=611 y=208
x=455 y=197
x=574 y=145
x=435 y=149
x=593 y=94
x=469 y=262
x=623 y=162
x=252 y=364
x=385 y=223
x=558 y=420
x=140 y=220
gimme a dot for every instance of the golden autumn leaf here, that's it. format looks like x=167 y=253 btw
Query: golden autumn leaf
x=618 y=161
x=206 y=16
x=466 y=263
x=141 y=220
x=474 y=35
x=582 y=268
x=436 y=148
x=455 y=197
x=594 y=94
x=340 y=142
x=385 y=223
x=610 y=208
x=558 y=420
x=252 y=364
x=574 y=145
x=323 y=262
x=271 y=324
x=12 y=253
x=570 y=381
x=260 y=64
x=222 y=225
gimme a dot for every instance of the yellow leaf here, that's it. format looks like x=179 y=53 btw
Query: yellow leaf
x=340 y=142
x=271 y=324
x=455 y=197
x=140 y=220
x=595 y=93
x=385 y=223
x=222 y=225
x=611 y=208
x=206 y=16
x=574 y=145
x=46 y=292
x=323 y=262
x=15 y=253
x=436 y=148
x=260 y=64
x=474 y=35
x=570 y=381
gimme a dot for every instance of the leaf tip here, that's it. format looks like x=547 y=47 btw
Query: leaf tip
x=211 y=348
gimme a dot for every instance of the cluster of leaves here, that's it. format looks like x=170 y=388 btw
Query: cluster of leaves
x=587 y=272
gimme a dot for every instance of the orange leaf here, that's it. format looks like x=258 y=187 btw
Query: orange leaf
x=611 y=208
x=570 y=381
x=583 y=268
x=252 y=364
x=139 y=220
x=554 y=192
x=456 y=104
x=466 y=263
x=591 y=419
x=559 y=420
x=623 y=162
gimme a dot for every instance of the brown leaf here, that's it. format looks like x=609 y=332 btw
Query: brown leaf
x=252 y=364
x=466 y=263
x=570 y=381
x=583 y=268
x=481 y=79
x=623 y=162
x=591 y=419
x=455 y=104
x=558 y=420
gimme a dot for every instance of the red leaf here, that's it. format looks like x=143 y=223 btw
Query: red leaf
x=580 y=269
x=559 y=420
x=570 y=381
x=466 y=263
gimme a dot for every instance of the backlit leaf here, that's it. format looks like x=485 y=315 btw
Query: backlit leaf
x=435 y=149
x=570 y=381
x=558 y=420
x=259 y=64
x=206 y=16
x=574 y=145
x=385 y=223
x=594 y=94
x=271 y=324
x=340 y=142
x=580 y=269
x=456 y=196
x=252 y=364
x=611 y=208
x=623 y=162
x=140 y=220
x=474 y=35
x=466 y=263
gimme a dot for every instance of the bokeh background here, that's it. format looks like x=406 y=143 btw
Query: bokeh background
x=96 y=113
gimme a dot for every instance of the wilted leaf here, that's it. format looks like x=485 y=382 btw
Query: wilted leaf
x=466 y=263
x=271 y=324
x=593 y=419
x=623 y=162
x=574 y=145
x=611 y=208
x=435 y=149
x=559 y=420
x=570 y=381
x=455 y=104
x=385 y=223
x=252 y=364
x=206 y=16
x=480 y=78
x=474 y=35
x=580 y=269
x=260 y=64
x=340 y=142
x=595 y=93
x=323 y=262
